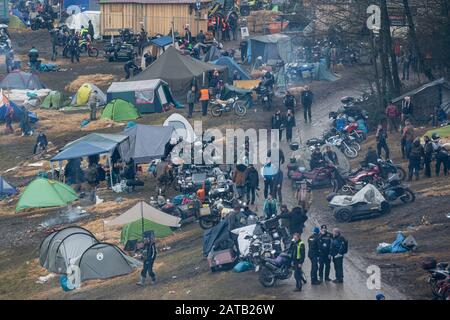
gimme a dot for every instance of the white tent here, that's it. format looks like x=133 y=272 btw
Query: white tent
x=182 y=127
x=77 y=20
x=143 y=210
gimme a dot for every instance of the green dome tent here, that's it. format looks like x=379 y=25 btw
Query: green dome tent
x=54 y=100
x=133 y=230
x=120 y=110
x=43 y=193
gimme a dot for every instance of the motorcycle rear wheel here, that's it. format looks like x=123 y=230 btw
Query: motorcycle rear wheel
x=206 y=223
x=267 y=278
x=356 y=146
x=350 y=153
x=216 y=111
x=401 y=173
x=93 y=52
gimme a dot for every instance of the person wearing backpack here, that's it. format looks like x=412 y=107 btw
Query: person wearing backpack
x=92 y=180
x=339 y=247
x=415 y=156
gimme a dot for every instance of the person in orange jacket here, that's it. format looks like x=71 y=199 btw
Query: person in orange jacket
x=204 y=99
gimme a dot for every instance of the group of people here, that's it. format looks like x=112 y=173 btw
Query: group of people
x=306 y=98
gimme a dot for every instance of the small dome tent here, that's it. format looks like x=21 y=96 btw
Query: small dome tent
x=103 y=261
x=81 y=98
x=120 y=110
x=21 y=80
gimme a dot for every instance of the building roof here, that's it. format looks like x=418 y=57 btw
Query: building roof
x=437 y=82
x=154 y=1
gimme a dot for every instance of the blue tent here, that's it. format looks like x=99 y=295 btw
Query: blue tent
x=80 y=150
x=162 y=41
x=6 y=189
x=232 y=66
x=18 y=113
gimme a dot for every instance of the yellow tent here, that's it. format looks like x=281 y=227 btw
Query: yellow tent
x=81 y=98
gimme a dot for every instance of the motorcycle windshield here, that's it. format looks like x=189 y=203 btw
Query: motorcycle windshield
x=303 y=157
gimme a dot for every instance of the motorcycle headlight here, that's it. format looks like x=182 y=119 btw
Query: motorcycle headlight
x=338 y=143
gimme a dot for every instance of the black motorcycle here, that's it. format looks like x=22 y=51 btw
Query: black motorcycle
x=209 y=217
x=272 y=270
x=119 y=52
x=265 y=96
x=41 y=22
x=395 y=190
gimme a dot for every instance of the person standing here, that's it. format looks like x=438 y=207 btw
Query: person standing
x=290 y=124
x=277 y=123
x=392 y=115
x=187 y=34
x=307 y=98
x=442 y=155
x=381 y=138
x=25 y=122
x=407 y=110
x=201 y=38
x=330 y=156
x=252 y=183
x=129 y=65
x=278 y=185
x=298 y=257
x=41 y=142
x=54 y=42
x=204 y=100
x=149 y=256
x=190 y=101
x=239 y=180
x=91 y=31
x=93 y=104
x=270 y=207
x=324 y=254
x=243 y=49
x=428 y=156
x=406 y=63
x=313 y=255
x=339 y=247
x=415 y=157
x=289 y=101
x=74 y=44
x=9 y=119
x=408 y=137
x=33 y=56
x=92 y=180
x=296 y=218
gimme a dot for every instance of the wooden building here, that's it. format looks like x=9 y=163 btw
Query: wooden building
x=157 y=16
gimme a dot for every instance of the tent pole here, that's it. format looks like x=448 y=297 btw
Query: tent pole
x=110 y=170
x=142 y=219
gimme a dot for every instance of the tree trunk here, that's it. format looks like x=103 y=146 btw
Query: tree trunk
x=415 y=42
x=377 y=75
x=384 y=46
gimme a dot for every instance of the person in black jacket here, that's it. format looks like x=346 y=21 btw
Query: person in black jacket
x=297 y=218
x=428 y=148
x=289 y=101
x=128 y=66
x=41 y=142
x=339 y=247
x=252 y=183
x=381 y=137
x=149 y=256
x=278 y=123
x=298 y=257
x=324 y=254
x=307 y=98
x=371 y=157
x=290 y=124
x=313 y=255
x=317 y=159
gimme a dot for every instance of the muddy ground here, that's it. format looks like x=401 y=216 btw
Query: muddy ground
x=21 y=234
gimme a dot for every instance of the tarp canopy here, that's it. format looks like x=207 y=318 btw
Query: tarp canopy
x=162 y=41
x=42 y=193
x=75 y=21
x=230 y=92
x=180 y=72
x=147 y=142
x=120 y=110
x=21 y=80
x=369 y=194
x=81 y=98
x=6 y=189
x=133 y=230
x=232 y=67
x=270 y=47
x=143 y=209
x=214 y=235
x=181 y=126
x=212 y=54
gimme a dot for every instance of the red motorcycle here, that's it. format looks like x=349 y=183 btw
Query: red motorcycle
x=356 y=181
x=353 y=131
x=321 y=177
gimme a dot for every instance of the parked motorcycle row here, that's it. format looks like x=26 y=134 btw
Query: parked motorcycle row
x=439 y=278
x=350 y=199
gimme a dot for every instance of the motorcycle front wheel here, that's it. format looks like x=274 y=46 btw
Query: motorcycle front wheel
x=267 y=278
x=408 y=197
x=356 y=146
x=34 y=27
x=401 y=173
x=93 y=52
x=206 y=223
x=216 y=111
x=350 y=152
x=240 y=109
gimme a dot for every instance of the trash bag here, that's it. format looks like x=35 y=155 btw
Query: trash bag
x=65 y=283
x=243 y=266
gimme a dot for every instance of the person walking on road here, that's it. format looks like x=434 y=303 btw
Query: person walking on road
x=307 y=98
x=278 y=185
x=381 y=138
x=149 y=256
x=298 y=257
x=289 y=101
x=190 y=101
x=324 y=254
x=277 y=123
x=339 y=247
x=252 y=183
x=204 y=100
x=313 y=254
x=290 y=124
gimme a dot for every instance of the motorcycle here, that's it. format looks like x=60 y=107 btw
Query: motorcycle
x=220 y=106
x=188 y=211
x=321 y=177
x=359 y=179
x=119 y=52
x=265 y=95
x=87 y=46
x=41 y=22
x=276 y=269
x=395 y=190
x=217 y=210
x=439 y=278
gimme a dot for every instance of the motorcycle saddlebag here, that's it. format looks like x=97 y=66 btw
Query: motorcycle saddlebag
x=429 y=263
x=221 y=259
